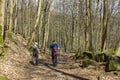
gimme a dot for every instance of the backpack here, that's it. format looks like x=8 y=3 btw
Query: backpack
x=34 y=48
x=54 y=48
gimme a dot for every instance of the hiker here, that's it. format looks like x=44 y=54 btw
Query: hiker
x=35 y=53
x=54 y=51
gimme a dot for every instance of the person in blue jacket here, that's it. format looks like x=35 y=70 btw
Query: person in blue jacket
x=54 y=46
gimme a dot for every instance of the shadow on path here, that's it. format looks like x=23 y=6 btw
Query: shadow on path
x=64 y=73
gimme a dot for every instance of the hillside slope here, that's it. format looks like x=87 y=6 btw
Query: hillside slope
x=17 y=56
x=16 y=65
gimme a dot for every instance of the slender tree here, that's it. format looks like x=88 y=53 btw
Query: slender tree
x=15 y=17
x=2 y=8
x=105 y=22
x=46 y=22
x=12 y=6
x=32 y=36
x=88 y=29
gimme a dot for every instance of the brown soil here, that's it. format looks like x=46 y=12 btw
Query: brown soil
x=16 y=65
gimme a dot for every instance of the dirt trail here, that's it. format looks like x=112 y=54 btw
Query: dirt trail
x=16 y=65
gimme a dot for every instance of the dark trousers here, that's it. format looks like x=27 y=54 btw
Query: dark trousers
x=54 y=60
x=35 y=59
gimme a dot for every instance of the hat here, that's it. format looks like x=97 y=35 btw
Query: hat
x=36 y=43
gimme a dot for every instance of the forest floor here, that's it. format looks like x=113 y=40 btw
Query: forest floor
x=16 y=64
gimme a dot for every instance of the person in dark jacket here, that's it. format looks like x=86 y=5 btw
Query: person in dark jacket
x=54 y=51
x=35 y=53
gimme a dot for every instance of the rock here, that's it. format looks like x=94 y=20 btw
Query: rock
x=88 y=62
x=113 y=64
x=88 y=55
x=100 y=57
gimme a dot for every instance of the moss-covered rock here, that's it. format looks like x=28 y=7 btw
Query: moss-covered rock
x=88 y=55
x=102 y=57
x=4 y=78
x=88 y=62
x=113 y=64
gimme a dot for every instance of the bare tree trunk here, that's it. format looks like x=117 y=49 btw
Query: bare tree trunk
x=88 y=29
x=32 y=36
x=73 y=30
x=2 y=8
x=30 y=6
x=6 y=18
x=15 y=17
x=12 y=5
x=46 y=23
x=97 y=31
x=104 y=29
x=2 y=17
x=23 y=19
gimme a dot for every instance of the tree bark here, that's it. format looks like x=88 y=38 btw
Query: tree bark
x=88 y=29
x=104 y=24
x=15 y=17
x=12 y=5
x=32 y=36
x=46 y=23
x=2 y=8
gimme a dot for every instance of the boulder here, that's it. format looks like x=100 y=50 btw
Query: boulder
x=113 y=64
x=88 y=62
x=88 y=55
x=101 y=57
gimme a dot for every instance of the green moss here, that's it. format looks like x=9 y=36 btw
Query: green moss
x=1 y=42
x=98 y=58
x=1 y=38
x=113 y=51
x=88 y=55
x=88 y=62
x=4 y=78
x=112 y=65
x=109 y=51
x=3 y=51
x=101 y=57
x=116 y=49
